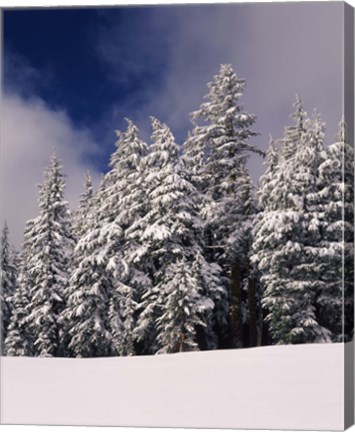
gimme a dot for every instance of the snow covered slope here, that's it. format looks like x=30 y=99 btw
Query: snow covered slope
x=283 y=387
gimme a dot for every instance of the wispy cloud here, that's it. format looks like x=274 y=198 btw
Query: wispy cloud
x=30 y=132
x=157 y=61
x=280 y=49
x=133 y=43
x=20 y=77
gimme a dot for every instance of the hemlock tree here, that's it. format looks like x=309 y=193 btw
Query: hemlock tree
x=287 y=247
x=49 y=263
x=8 y=284
x=216 y=153
x=335 y=301
x=171 y=236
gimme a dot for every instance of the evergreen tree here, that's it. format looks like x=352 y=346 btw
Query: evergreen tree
x=49 y=264
x=85 y=207
x=101 y=300
x=269 y=181
x=19 y=340
x=171 y=236
x=136 y=279
x=181 y=312
x=335 y=300
x=124 y=202
x=216 y=154
x=287 y=244
x=86 y=315
x=8 y=284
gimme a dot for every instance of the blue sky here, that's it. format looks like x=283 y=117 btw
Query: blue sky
x=72 y=75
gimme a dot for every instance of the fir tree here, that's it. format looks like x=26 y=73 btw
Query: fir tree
x=171 y=235
x=101 y=301
x=181 y=309
x=335 y=300
x=89 y=293
x=85 y=207
x=8 y=284
x=287 y=245
x=19 y=341
x=124 y=202
x=86 y=315
x=49 y=264
x=216 y=154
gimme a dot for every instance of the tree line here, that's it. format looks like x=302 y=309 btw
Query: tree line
x=179 y=250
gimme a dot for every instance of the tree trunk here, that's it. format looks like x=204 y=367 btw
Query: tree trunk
x=236 y=320
x=181 y=344
x=259 y=328
x=252 y=311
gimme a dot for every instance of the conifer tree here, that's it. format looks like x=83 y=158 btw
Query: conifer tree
x=19 y=340
x=49 y=263
x=216 y=153
x=171 y=236
x=335 y=300
x=268 y=183
x=181 y=309
x=86 y=315
x=101 y=300
x=8 y=284
x=287 y=245
x=122 y=206
x=85 y=207
x=130 y=167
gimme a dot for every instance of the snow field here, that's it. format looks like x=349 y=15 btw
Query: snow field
x=278 y=387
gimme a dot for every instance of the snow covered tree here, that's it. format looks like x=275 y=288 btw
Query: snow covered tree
x=124 y=202
x=216 y=153
x=8 y=284
x=287 y=246
x=85 y=317
x=335 y=300
x=269 y=182
x=102 y=300
x=181 y=312
x=220 y=144
x=171 y=236
x=19 y=340
x=130 y=167
x=49 y=261
x=85 y=207
x=83 y=224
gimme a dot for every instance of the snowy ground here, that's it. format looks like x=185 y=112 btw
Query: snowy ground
x=286 y=387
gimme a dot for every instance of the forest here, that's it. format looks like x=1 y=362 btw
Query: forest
x=178 y=249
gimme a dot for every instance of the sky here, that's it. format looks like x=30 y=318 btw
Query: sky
x=71 y=76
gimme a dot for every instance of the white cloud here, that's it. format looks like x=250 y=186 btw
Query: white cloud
x=279 y=48
x=30 y=132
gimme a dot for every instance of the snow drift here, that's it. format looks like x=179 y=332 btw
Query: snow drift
x=278 y=387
